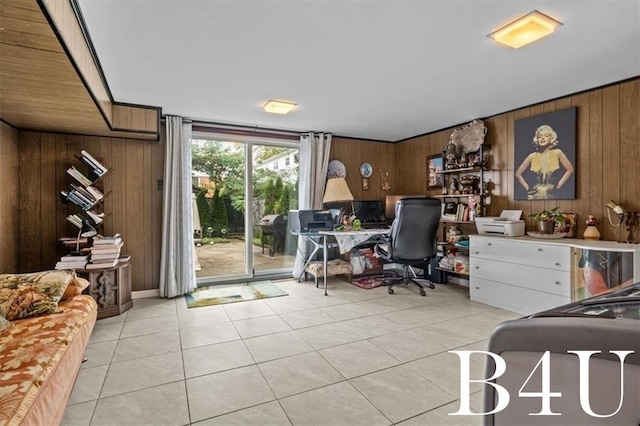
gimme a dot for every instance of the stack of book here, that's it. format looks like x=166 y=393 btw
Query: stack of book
x=105 y=252
x=71 y=261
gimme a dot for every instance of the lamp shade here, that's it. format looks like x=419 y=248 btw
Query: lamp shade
x=337 y=190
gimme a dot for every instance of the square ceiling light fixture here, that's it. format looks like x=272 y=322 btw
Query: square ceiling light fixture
x=278 y=107
x=526 y=29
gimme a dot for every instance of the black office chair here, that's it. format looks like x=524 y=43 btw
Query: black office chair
x=412 y=240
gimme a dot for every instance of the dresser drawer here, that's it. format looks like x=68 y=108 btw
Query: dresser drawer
x=532 y=277
x=548 y=256
x=516 y=299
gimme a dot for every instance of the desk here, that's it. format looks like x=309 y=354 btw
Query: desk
x=345 y=241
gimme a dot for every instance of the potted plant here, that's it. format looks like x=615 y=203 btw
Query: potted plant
x=547 y=220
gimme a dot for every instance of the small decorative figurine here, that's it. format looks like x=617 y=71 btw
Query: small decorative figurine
x=591 y=232
x=453 y=186
x=450 y=156
x=462 y=162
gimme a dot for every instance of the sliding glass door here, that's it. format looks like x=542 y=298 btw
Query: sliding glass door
x=243 y=190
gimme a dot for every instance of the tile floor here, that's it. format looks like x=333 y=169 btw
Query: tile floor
x=356 y=357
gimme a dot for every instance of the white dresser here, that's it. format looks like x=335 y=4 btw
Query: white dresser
x=528 y=275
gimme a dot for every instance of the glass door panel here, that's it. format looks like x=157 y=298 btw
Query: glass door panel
x=219 y=181
x=275 y=192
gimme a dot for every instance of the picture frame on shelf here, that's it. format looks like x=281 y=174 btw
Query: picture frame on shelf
x=434 y=169
x=570 y=224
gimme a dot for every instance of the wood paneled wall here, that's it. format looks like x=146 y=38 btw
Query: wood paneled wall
x=135 y=204
x=381 y=156
x=9 y=196
x=607 y=156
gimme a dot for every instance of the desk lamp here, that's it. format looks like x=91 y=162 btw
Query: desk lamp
x=336 y=191
x=86 y=231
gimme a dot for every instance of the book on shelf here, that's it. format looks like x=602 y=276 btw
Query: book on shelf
x=75 y=220
x=80 y=263
x=77 y=175
x=95 y=164
x=113 y=241
x=95 y=192
x=74 y=258
x=106 y=253
x=73 y=197
x=105 y=260
x=97 y=218
x=102 y=265
x=124 y=258
x=84 y=193
x=101 y=256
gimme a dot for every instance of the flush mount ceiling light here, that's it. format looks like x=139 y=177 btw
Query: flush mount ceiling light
x=526 y=29
x=278 y=107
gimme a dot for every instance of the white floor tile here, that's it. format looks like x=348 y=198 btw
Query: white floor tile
x=356 y=359
x=399 y=393
x=266 y=414
x=221 y=393
x=339 y=404
x=214 y=358
x=160 y=405
x=299 y=373
x=273 y=346
x=260 y=326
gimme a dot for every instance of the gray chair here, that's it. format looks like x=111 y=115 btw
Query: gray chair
x=412 y=240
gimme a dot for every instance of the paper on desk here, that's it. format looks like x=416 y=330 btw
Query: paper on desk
x=511 y=214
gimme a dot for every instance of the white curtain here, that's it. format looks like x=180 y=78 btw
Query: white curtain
x=314 y=160
x=177 y=272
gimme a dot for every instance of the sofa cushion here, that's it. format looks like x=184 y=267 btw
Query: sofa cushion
x=76 y=286
x=29 y=295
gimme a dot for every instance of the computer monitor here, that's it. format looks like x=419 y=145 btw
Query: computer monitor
x=390 y=204
x=370 y=212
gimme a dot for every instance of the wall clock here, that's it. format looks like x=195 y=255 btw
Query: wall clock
x=366 y=170
x=336 y=169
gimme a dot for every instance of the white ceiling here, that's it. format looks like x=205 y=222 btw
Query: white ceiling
x=384 y=70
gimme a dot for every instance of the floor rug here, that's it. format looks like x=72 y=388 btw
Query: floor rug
x=372 y=281
x=230 y=293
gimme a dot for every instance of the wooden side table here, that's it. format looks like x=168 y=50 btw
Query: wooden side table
x=111 y=288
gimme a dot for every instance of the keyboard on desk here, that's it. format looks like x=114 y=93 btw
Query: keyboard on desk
x=375 y=225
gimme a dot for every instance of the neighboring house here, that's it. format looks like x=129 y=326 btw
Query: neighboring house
x=283 y=161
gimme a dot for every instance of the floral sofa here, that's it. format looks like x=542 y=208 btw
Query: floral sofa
x=45 y=324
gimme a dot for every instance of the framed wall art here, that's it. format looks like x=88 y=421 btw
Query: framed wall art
x=434 y=169
x=545 y=156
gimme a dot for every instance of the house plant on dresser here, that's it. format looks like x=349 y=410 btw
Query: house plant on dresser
x=547 y=220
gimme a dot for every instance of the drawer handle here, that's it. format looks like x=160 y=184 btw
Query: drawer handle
x=558 y=283
x=540 y=249
x=477 y=288
x=488 y=244
x=477 y=267
x=557 y=264
x=477 y=252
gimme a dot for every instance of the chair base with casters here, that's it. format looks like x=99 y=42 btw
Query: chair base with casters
x=406 y=279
